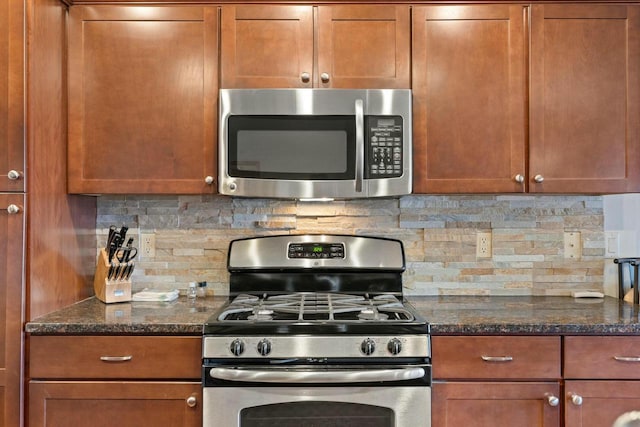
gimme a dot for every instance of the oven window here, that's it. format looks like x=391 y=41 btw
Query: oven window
x=292 y=147
x=317 y=414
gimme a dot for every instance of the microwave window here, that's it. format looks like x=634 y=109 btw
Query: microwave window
x=292 y=147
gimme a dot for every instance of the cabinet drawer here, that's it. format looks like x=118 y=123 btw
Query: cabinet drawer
x=115 y=357
x=602 y=357
x=496 y=357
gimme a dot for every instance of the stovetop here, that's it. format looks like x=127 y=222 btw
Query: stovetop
x=316 y=284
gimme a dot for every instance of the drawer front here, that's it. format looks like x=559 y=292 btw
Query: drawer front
x=82 y=357
x=602 y=357
x=496 y=357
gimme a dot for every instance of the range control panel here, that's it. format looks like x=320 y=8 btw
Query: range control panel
x=384 y=147
x=316 y=250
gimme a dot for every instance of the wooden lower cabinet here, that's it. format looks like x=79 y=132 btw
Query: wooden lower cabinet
x=105 y=403
x=599 y=403
x=104 y=381
x=490 y=404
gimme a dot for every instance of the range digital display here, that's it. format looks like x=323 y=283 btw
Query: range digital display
x=316 y=250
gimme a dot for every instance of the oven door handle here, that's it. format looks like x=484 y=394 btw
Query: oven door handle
x=304 y=376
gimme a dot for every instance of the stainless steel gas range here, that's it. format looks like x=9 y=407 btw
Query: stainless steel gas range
x=316 y=333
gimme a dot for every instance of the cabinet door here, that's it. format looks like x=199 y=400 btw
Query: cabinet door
x=599 y=403
x=362 y=46
x=104 y=404
x=266 y=47
x=142 y=99
x=469 y=86
x=585 y=98
x=11 y=95
x=11 y=267
x=487 y=404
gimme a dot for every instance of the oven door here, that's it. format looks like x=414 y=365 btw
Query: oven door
x=287 y=397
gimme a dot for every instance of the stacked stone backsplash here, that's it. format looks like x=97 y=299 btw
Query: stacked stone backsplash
x=439 y=235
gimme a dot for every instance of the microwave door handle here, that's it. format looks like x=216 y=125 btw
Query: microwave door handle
x=359 y=144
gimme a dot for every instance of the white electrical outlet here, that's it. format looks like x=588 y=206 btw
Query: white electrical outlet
x=483 y=245
x=572 y=245
x=147 y=245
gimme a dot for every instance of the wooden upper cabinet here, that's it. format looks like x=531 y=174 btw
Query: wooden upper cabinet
x=585 y=98
x=363 y=46
x=470 y=98
x=11 y=96
x=358 y=46
x=142 y=99
x=266 y=46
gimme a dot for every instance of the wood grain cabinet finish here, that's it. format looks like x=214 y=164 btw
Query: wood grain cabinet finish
x=95 y=380
x=142 y=99
x=470 y=98
x=602 y=376
x=496 y=358
x=487 y=381
x=105 y=404
x=491 y=404
x=12 y=95
x=113 y=357
x=599 y=403
x=355 y=46
x=11 y=320
x=585 y=98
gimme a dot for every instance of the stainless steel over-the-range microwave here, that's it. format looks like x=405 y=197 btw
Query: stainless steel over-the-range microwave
x=315 y=143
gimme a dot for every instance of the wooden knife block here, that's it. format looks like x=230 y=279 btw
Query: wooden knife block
x=106 y=290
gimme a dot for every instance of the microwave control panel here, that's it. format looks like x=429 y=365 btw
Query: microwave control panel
x=384 y=147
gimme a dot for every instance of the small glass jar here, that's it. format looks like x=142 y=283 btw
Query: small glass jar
x=202 y=289
x=192 y=290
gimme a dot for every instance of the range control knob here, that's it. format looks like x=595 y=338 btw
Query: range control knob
x=394 y=346
x=368 y=346
x=264 y=347
x=237 y=347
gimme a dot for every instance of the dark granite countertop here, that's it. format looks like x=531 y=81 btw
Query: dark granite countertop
x=93 y=317
x=448 y=315
x=474 y=315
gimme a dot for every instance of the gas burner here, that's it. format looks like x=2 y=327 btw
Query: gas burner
x=372 y=313
x=316 y=307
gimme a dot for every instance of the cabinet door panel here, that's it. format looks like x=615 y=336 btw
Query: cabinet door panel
x=490 y=404
x=585 y=98
x=11 y=94
x=469 y=84
x=142 y=99
x=363 y=46
x=11 y=321
x=104 y=404
x=263 y=47
x=602 y=402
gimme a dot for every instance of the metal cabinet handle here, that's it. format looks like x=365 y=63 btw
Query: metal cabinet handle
x=14 y=175
x=499 y=359
x=209 y=180
x=519 y=178
x=305 y=77
x=632 y=359
x=576 y=399
x=13 y=209
x=116 y=358
x=324 y=77
x=538 y=178
x=552 y=400
x=192 y=401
